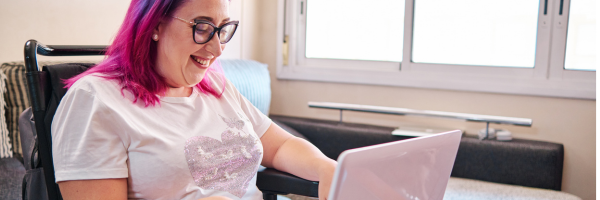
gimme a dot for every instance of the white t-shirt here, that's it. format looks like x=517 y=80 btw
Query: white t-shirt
x=185 y=148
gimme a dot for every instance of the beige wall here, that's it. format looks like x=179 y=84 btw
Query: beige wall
x=70 y=22
x=64 y=22
x=567 y=121
x=571 y=122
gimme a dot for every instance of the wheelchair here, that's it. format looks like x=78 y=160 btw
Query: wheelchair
x=46 y=89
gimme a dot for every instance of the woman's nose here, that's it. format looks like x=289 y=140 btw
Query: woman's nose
x=214 y=46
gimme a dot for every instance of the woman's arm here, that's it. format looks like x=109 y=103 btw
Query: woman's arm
x=94 y=189
x=101 y=189
x=294 y=155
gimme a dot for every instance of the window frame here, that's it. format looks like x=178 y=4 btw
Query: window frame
x=558 y=54
x=547 y=78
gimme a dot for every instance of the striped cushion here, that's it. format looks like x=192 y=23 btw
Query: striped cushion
x=16 y=99
x=252 y=80
x=5 y=144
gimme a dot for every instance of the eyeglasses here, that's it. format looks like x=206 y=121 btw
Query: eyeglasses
x=203 y=31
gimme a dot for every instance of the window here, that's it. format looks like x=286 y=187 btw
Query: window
x=581 y=36
x=475 y=32
x=530 y=47
x=347 y=35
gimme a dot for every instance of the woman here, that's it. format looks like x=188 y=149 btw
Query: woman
x=155 y=120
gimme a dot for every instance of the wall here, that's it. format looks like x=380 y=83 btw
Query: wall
x=571 y=122
x=72 y=22
x=64 y=22
x=567 y=121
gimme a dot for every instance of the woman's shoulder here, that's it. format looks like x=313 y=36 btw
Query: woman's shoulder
x=95 y=83
x=101 y=89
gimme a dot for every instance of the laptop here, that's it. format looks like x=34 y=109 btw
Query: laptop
x=412 y=169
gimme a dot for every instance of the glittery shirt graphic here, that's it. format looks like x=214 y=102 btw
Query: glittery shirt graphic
x=226 y=165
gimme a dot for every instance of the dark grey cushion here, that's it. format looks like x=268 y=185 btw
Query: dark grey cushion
x=332 y=137
x=518 y=162
x=288 y=129
x=11 y=178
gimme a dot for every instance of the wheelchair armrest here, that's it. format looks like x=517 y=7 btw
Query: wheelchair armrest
x=273 y=181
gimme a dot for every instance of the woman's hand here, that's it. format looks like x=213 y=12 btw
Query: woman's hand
x=326 y=173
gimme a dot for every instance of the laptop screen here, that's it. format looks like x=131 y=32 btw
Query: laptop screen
x=417 y=168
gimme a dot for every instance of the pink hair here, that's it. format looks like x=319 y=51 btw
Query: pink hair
x=131 y=57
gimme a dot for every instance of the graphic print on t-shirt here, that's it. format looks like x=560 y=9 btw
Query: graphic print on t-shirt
x=226 y=165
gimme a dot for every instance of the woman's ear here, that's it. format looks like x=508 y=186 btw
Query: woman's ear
x=155 y=34
x=156 y=31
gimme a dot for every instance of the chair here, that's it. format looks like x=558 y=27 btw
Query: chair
x=46 y=90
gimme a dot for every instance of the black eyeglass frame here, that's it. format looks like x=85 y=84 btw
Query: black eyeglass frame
x=215 y=29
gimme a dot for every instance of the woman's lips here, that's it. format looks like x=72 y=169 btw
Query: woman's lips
x=201 y=61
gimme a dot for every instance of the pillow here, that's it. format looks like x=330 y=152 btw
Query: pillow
x=16 y=99
x=251 y=79
x=5 y=145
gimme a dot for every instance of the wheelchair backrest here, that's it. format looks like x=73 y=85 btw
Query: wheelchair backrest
x=46 y=89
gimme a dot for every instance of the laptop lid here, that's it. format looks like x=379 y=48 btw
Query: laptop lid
x=416 y=168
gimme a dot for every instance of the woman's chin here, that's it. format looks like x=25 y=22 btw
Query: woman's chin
x=194 y=80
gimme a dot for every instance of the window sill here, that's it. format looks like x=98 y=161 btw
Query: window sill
x=554 y=87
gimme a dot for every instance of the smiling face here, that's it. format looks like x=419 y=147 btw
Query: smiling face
x=181 y=61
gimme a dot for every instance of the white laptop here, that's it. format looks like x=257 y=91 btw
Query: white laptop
x=412 y=169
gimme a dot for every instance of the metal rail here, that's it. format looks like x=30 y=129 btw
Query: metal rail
x=428 y=113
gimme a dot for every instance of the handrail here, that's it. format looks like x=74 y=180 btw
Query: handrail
x=33 y=47
x=71 y=50
x=428 y=113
